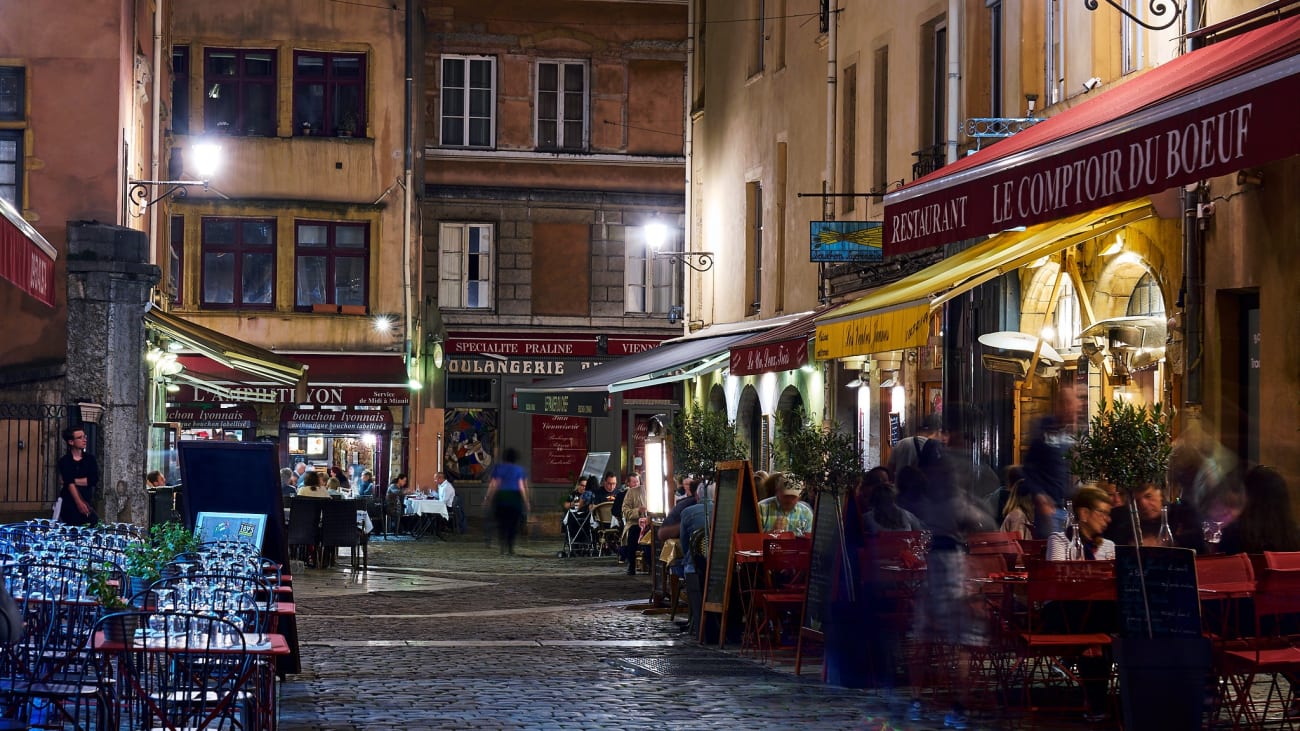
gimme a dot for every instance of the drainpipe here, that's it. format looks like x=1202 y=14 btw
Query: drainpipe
x=1193 y=269
x=408 y=194
x=156 y=125
x=688 y=138
x=954 y=78
x=828 y=202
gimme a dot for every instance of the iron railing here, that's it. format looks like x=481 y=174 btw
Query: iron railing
x=30 y=446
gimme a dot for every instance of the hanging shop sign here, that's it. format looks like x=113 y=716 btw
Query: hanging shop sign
x=782 y=355
x=846 y=241
x=569 y=403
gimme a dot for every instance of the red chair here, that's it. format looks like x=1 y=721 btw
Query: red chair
x=777 y=607
x=1040 y=648
x=1224 y=580
x=1282 y=559
x=1273 y=653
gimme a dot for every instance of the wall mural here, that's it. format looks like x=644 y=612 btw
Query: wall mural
x=471 y=441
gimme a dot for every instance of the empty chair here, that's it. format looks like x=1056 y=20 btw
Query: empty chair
x=338 y=529
x=304 y=524
x=1282 y=559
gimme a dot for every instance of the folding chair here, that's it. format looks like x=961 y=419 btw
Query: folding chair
x=1282 y=559
x=1071 y=591
x=777 y=607
x=1272 y=653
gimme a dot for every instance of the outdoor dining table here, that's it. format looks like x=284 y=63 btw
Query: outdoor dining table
x=427 y=510
x=264 y=646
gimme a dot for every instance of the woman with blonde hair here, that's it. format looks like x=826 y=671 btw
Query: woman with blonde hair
x=1017 y=515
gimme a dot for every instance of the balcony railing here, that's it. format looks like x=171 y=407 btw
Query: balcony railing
x=928 y=159
x=995 y=128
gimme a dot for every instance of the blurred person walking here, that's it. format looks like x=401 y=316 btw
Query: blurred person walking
x=507 y=495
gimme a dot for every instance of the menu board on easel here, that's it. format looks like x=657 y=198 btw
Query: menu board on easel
x=736 y=511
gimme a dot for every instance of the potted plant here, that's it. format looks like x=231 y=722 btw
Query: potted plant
x=348 y=124
x=145 y=559
x=820 y=456
x=99 y=585
x=701 y=439
x=1126 y=445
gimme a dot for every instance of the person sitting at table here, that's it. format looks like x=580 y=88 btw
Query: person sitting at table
x=288 y=482
x=395 y=502
x=784 y=511
x=1184 y=522
x=883 y=514
x=341 y=475
x=672 y=525
x=1092 y=513
x=1266 y=522
x=1017 y=514
x=333 y=487
x=312 y=487
x=608 y=491
x=366 y=485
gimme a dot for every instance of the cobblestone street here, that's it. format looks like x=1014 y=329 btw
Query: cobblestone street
x=451 y=635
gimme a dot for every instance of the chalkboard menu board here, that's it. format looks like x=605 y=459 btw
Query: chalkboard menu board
x=895 y=427
x=825 y=558
x=736 y=511
x=1170 y=594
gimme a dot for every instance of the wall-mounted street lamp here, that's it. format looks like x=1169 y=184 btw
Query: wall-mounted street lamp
x=205 y=157
x=656 y=235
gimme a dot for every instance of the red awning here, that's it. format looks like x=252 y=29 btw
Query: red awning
x=1206 y=113
x=781 y=349
x=26 y=258
x=370 y=379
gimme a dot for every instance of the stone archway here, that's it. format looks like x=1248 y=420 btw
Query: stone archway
x=717 y=399
x=790 y=409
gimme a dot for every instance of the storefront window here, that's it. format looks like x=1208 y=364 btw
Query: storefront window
x=1065 y=321
x=1147 y=299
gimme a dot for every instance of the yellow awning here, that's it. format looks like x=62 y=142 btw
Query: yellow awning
x=230 y=352
x=896 y=316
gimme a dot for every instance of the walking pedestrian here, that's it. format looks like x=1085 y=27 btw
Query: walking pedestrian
x=508 y=495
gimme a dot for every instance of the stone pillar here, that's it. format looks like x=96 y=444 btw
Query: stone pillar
x=109 y=279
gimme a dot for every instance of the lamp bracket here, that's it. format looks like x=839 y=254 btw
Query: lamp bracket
x=139 y=192
x=700 y=261
x=1157 y=8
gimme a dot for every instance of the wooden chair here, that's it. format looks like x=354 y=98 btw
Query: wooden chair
x=1274 y=652
x=1071 y=590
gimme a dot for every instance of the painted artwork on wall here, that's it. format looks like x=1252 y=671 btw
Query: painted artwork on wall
x=471 y=441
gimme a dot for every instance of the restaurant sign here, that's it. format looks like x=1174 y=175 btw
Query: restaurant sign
x=896 y=329
x=316 y=395
x=565 y=403
x=329 y=421
x=846 y=241
x=556 y=346
x=1244 y=121
x=26 y=258
x=782 y=355
x=208 y=416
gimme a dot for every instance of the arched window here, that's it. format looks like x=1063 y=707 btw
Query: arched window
x=1147 y=299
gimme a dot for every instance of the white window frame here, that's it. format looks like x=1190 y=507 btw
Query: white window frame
x=650 y=283
x=467 y=61
x=1066 y=319
x=561 y=65
x=1054 y=52
x=1132 y=38
x=455 y=289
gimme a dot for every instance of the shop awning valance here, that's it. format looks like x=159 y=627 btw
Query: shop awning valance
x=782 y=348
x=230 y=352
x=26 y=258
x=897 y=315
x=585 y=393
x=1209 y=112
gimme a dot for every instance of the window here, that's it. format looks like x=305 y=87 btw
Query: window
x=938 y=91
x=1054 y=53
x=181 y=90
x=468 y=101
x=1132 y=37
x=650 y=281
x=13 y=101
x=996 y=43
x=561 y=105
x=1147 y=299
x=329 y=94
x=176 y=262
x=760 y=37
x=880 y=122
x=701 y=36
x=465 y=265
x=849 y=136
x=239 y=92
x=330 y=263
x=11 y=166
x=753 y=247
x=238 y=262
x=13 y=108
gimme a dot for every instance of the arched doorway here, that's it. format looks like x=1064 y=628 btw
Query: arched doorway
x=717 y=399
x=790 y=410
